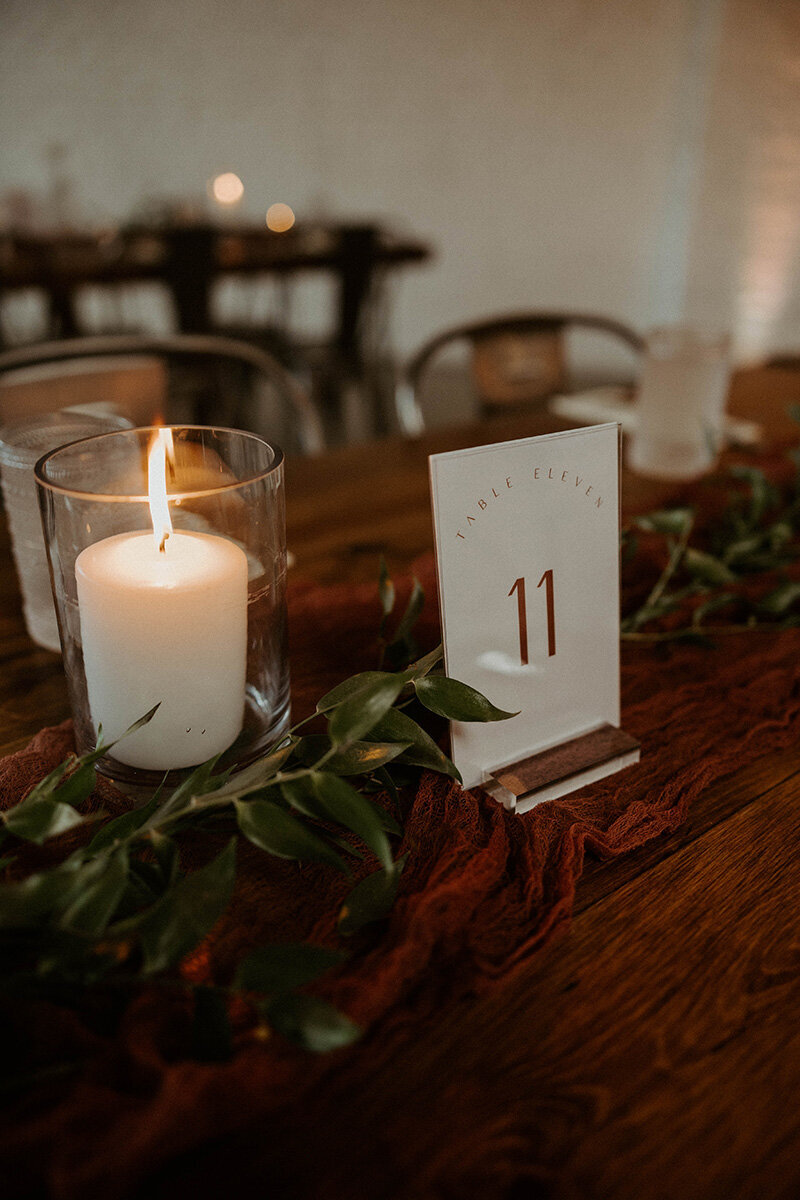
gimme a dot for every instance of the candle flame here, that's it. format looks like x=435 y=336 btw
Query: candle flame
x=161 y=446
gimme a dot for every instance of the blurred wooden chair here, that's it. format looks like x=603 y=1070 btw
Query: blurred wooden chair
x=510 y=363
x=185 y=379
x=127 y=384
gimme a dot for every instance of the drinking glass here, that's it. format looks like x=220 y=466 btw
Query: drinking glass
x=681 y=404
x=21 y=444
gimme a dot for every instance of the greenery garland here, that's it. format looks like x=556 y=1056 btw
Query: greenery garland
x=121 y=911
x=704 y=587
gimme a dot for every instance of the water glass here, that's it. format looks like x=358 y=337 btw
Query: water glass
x=681 y=404
x=21 y=444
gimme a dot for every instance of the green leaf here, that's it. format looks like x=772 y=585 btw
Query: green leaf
x=356 y=716
x=694 y=637
x=341 y=843
x=343 y=804
x=652 y=612
x=370 y=900
x=425 y=664
x=457 y=701
x=422 y=751
x=30 y=901
x=166 y=854
x=187 y=912
x=78 y=786
x=384 y=780
x=199 y=783
x=779 y=534
x=782 y=599
x=711 y=606
x=103 y=748
x=311 y=1023
x=359 y=758
x=145 y=720
x=327 y=797
x=75 y=788
x=402 y=647
x=386 y=593
x=629 y=546
x=742 y=548
x=672 y=520
x=257 y=775
x=706 y=568
x=97 y=899
x=301 y=795
x=140 y=895
x=385 y=783
x=150 y=875
x=45 y=787
x=416 y=603
x=42 y=820
x=385 y=588
x=211 y=1037
x=762 y=493
x=349 y=689
x=284 y=967
x=122 y=827
x=278 y=832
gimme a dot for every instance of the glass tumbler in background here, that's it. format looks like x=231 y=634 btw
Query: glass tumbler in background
x=22 y=443
x=178 y=602
x=680 y=406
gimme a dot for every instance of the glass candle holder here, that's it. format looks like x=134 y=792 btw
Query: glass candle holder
x=167 y=553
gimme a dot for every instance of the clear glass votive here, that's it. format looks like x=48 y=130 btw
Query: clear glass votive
x=680 y=408
x=22 y=443
x=192 y=619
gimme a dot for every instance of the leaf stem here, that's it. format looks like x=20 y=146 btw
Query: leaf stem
x=675 y=557
x=672 y=635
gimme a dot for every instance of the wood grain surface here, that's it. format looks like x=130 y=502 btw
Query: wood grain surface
x=654 y=1052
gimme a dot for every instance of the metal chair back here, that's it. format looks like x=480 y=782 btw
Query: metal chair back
x=184 y=379
x=508 y=363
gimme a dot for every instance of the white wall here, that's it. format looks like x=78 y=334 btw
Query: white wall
x=744 y=247
x=555 y=152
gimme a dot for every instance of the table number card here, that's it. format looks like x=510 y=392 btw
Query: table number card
x=527 y=541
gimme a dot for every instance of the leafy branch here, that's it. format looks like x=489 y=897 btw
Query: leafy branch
x=755 y=533
x=122 y=910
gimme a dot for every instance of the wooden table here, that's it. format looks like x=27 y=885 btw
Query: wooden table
x=653 y=1058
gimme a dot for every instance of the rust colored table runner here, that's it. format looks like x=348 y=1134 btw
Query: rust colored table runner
x=482 y=894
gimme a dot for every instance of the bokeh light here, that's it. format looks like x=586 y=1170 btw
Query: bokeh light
x=227 y=188
x=279 y=218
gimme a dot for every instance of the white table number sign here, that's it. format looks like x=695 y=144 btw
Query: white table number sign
x=527 y=541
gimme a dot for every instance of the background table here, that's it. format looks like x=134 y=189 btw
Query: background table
x=60 y=263
x=653 y=1052
x=190 y=259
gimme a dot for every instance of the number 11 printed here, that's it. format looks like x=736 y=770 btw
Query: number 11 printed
x=522 y=612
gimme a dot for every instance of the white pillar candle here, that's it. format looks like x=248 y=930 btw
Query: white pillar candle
x=165 y=626
x=163 y=620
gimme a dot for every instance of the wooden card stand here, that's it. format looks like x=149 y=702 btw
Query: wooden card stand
x=563 y=768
